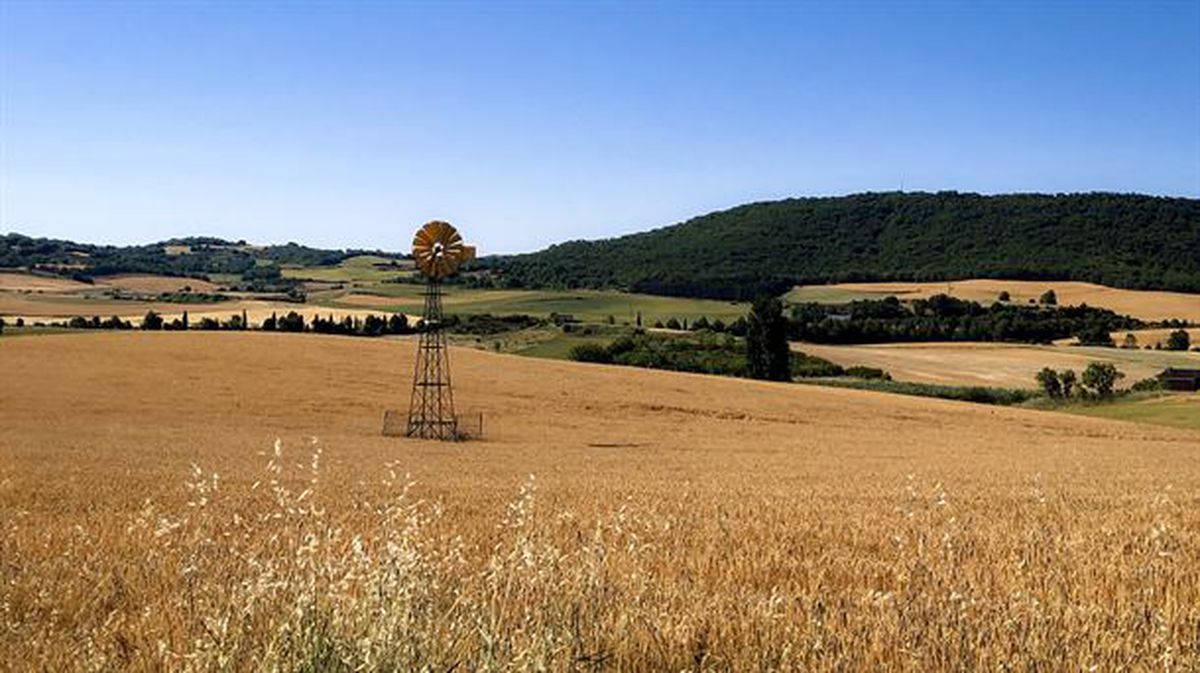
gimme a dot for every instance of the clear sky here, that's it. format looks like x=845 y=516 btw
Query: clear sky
x=345 y=124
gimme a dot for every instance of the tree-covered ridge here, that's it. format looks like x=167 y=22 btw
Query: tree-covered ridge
x=193 y=256
x=1121 y=240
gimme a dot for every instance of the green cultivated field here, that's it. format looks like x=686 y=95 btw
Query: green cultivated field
x=361 y=269
x=559 y=347
x=1180 y=410
x=830 y=294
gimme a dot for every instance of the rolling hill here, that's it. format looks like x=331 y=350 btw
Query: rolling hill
x=1121 y=240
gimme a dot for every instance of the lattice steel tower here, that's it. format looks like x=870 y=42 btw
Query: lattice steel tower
x=438 y=251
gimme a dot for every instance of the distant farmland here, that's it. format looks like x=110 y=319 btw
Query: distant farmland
x=614 y=518
x=995 y=364
x=1144 y=304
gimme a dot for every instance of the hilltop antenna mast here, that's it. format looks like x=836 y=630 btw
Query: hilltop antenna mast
x=438 y=251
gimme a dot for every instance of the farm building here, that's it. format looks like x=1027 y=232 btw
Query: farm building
x=1180 y=379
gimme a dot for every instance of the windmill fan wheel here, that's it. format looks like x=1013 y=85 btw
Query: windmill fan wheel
x=438 y=250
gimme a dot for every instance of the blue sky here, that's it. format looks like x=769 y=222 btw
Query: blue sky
x=346 y=124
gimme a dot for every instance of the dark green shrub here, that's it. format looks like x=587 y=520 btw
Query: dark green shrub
x=1049 y=382
x=860 y=372
x=1179 y=340
x=1101 y=378
x=1151 y=384
x=590 y=352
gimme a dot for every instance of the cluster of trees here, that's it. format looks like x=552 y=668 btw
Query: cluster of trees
x=483 y=324
x=370 y=326
x=1179 y=340
x=1099 y=380
x=945 y=318
x=764 y=353
x=153 y=321
x=1122 y=240
x=722 y=355
x=768 y=355
x=736 y=327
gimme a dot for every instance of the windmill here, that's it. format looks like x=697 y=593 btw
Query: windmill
x=438 y=251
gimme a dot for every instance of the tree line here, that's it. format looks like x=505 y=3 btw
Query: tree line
x=945 y=318
x=369 y=325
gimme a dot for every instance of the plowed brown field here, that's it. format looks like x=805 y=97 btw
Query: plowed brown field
x=671 y=522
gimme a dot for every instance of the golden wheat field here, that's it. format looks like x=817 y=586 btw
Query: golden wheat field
x=1144 y=304
x=223 y=501
x=24 y=282
x=1155 y=337
x=1005 y=365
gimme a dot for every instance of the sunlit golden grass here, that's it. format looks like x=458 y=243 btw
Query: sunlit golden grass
x=615 y=519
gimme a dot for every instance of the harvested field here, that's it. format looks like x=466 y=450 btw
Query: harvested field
x=671 y=521
x=26 y=282
x=1152 y=337
x=994 y=364
x=59 y=306
x=155 y=284
x=1144 y=304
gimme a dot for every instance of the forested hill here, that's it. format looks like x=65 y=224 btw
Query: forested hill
x=1115 y=239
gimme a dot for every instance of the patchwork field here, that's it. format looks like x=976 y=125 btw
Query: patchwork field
x=36 y=298
x=366 y=269
x=591 y=305
x=1148 y=305
x=995 y=364
x=1152 y=337
x=613 y=518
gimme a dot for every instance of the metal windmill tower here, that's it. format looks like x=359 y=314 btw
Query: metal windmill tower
x=438 y=250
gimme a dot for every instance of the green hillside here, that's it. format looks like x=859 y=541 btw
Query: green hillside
x=1120 y=240
x=199 y=256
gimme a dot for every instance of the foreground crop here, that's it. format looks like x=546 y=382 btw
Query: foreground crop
x=285 y=575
